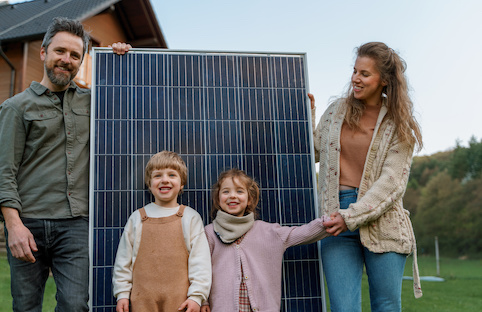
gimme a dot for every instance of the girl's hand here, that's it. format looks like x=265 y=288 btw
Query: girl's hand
x=205 y=308
x=122 y=305
x=336 y=225
x=190 y=306
x=312 y=100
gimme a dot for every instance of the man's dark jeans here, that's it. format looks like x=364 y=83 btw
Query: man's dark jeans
x=63 y=246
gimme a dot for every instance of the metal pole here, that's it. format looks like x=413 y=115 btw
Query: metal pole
x=437 y=258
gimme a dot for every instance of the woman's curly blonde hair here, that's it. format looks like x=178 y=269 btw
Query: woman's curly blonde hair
x=400 y=107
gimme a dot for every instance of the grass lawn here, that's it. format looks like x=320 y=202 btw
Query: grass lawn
x=461 y=291
x=6 y=298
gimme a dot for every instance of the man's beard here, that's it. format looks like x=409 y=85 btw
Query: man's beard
x=58 y=79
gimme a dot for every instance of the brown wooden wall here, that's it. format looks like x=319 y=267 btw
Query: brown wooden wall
x=14 y=52
x=105 y=29
x=34 y=70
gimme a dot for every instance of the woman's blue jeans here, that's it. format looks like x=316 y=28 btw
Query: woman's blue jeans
x=63 y=247
x=343 y=259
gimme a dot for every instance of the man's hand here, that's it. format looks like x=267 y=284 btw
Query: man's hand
x=20 y=239
x=190 y=306
x=120 y=48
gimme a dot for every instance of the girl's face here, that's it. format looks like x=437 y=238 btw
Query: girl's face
x=367 y=84
x=233 y=197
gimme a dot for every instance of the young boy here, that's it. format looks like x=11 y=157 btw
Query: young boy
x=163 y=262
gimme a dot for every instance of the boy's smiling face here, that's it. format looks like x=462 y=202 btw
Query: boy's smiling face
x=165 y=186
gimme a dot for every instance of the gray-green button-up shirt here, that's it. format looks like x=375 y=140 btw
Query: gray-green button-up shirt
x=44 y=153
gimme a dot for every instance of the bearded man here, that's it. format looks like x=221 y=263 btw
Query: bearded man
x=44 y=176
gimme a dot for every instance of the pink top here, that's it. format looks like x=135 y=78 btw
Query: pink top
x=260 y=254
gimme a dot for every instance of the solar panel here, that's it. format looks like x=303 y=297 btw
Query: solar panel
x=218 y=110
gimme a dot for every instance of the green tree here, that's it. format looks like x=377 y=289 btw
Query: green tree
x=437 y=214
x=466 y=162
x=469 y=225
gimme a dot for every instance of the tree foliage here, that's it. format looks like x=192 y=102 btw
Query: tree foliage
x=444 y=197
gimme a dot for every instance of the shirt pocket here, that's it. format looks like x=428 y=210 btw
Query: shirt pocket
x=43 y=127
x=82 y=124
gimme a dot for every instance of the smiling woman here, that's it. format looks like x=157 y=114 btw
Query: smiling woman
x=364 y=143
x=367 y=84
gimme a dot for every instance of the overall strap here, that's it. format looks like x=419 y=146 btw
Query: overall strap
x=142 y=211
x=180 y=212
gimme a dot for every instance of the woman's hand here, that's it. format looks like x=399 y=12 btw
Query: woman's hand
x=312 y=100
x=336 y=225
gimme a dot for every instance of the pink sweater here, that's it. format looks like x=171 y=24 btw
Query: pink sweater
x=260 y=253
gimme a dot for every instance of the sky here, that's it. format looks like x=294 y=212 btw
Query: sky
x=438 y=39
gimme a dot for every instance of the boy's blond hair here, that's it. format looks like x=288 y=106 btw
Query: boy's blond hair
x=163 y=160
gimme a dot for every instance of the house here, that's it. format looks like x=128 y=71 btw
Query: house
x=23 y=25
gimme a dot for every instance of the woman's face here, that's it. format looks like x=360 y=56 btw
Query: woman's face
x=366 y=81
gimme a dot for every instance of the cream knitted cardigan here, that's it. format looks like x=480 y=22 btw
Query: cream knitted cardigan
x=378 y=213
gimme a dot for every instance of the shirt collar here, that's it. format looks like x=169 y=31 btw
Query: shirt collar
x=40 y=89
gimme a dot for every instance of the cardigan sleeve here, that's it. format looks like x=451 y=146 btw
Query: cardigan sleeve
x=316 y=134
x=386 y=189
x=320 y=129
x=304 y=234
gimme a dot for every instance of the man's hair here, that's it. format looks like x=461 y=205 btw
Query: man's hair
x=163 y=160
x=74 y=27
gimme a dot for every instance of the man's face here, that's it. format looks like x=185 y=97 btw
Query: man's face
x=62 y=60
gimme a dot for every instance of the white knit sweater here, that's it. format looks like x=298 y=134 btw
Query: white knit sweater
x=378 y=213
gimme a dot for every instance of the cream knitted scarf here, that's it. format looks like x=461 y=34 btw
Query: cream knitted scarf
x=229 y=228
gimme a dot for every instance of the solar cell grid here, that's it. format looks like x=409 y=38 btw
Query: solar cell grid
x=218 y=111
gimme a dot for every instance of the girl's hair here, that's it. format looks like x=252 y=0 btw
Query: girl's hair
x=246 y=181
x=163 y=160
x=400 y=107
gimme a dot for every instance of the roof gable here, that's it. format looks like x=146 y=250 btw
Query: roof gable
x=30 y=20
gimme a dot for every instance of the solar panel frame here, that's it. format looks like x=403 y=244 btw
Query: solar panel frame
x=125 y=136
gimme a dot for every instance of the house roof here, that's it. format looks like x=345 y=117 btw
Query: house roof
x=29 y=20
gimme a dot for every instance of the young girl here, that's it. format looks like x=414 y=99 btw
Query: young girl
x=364 y=143
x=247 y=254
